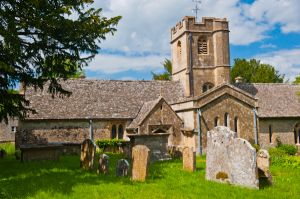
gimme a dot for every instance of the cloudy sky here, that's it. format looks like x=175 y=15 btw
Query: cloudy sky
x=268 y=30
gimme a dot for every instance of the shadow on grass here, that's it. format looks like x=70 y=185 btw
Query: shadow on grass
x=20 y=180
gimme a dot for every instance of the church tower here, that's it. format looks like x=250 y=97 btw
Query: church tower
x=200 y=54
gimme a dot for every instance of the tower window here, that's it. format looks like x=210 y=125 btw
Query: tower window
x=216 y=121
x=207 y=86
x=236 y=123
x=202 y=46
x=179 y=48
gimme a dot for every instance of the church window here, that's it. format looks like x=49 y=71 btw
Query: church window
x=270 y=133
x=297 y=134
x=207 y=86
x=236 y=123
x=226 y=119
x=216 y=121
x=13 y=129
x=202 y=46
x=113 y=132
x=120 y=131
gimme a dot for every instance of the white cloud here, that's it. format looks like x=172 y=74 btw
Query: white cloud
x=268 y=46
x=109 y=63
x=145 y=26
x=285 y=61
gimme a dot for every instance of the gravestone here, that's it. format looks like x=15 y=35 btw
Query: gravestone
x=189 y=159
x=103 y=166
x=140 y=160
x=230 y=159
x=263 y=165
x=2 y=153
x=122 y=167
x=87 y=155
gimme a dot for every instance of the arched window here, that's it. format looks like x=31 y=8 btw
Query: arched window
x=179 y=49
x=216 y=122
x=207 y=86
x=236 y=124
x=270 y=133
x=202 y=46
x=120 y=132
x=226 y=119
x=113 y=132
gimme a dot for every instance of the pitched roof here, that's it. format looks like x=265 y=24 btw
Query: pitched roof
x=144 y=112
x=101 y=99
x=275 y=100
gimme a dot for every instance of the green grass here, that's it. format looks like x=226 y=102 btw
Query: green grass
x=64 y=179
x=8 y=147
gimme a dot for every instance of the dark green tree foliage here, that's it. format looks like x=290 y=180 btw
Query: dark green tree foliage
x=253 y=71
x=37 y=36
x=167 y=74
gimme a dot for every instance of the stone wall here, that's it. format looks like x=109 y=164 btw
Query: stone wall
x=164 y=115
x=235 y=108
x=60 y=131
x=281 y=127
x=6 y=133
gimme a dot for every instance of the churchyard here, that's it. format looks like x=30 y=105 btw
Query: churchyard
x=167 y=179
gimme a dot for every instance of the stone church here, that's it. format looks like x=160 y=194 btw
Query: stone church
x=176 y=113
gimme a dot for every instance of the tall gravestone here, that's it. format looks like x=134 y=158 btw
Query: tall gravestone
x=87 y=155
x=103 y=166
x=230 y=159
x=189 y=159
x=122 y=167
x=140 y=161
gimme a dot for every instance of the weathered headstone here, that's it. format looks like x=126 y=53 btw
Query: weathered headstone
x=189 y=159
x=122 y=167
x=2 y=153
x=140 y=160
x=87 y=155
x=263 y=165
x=103 y=166
x=230 y=159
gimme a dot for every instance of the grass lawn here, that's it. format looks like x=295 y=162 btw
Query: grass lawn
x=64 y=179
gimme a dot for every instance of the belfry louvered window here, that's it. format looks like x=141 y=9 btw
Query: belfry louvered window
x=202 y=46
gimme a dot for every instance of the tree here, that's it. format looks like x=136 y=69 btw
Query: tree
x=297 y=80
x=167 y=74
x=37 y=36
x=253 y=71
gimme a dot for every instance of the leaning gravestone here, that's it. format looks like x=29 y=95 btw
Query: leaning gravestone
x=103 y=166
x=263 y=165
x=140 y=160
x=87 y=155
x=189 y=159
x=230 y=159
x=122 y=167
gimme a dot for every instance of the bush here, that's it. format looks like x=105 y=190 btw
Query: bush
x=288 y=149
x=102 y=144
x=9 y=148
x=256 y=146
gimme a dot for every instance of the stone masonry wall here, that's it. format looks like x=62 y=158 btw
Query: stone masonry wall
x=54 y=131
x=281 y=127
x=6 y=134
x=165 y=115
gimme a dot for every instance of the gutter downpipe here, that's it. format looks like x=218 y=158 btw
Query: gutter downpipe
x=199 y=151
x=255 y=125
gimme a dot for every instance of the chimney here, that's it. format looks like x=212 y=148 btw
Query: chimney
x=238 y=79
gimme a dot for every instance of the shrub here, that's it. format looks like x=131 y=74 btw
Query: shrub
x=278 y=141
x=256 y=146
x=288 y=149
x=102 y=144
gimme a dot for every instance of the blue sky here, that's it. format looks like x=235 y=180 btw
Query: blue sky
x=268 y=30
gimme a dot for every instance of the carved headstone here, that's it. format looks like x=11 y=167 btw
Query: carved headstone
x=189 y=159
x=263 y=165
x=103 y=166
x=230 y=159
x=87 y=155
x=122 y=167
x=140 y=160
